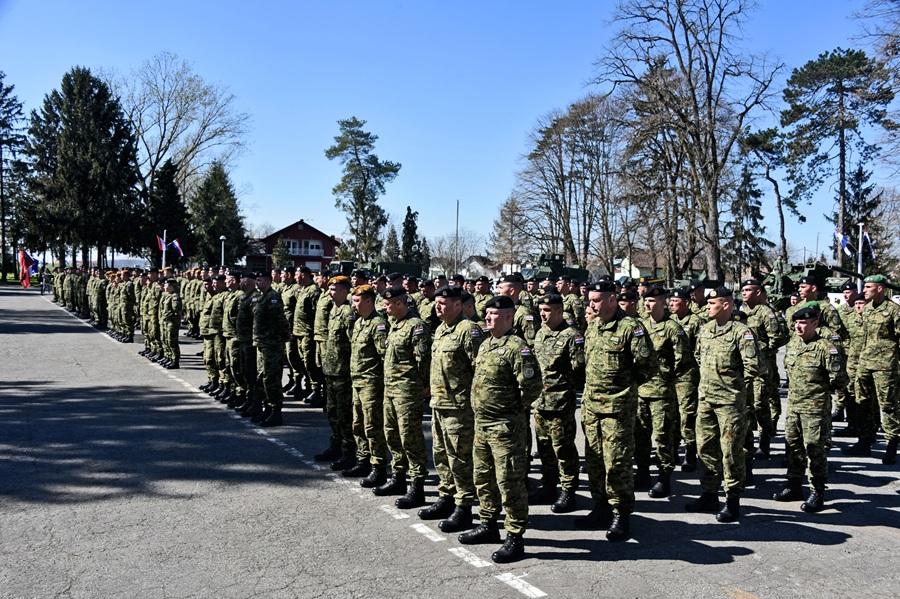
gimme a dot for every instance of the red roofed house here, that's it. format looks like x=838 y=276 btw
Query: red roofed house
x=306 y=245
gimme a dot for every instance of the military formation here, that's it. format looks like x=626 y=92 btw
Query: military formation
x=673 y=377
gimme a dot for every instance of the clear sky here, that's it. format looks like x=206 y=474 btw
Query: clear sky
x=451 y=88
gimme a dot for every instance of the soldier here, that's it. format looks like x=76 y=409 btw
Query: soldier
x=368 y=339
x=230 y=306
x=170 y=310
x=686 y=382
x=270 y=332
x=150 y=314
x=628 y=302
x=698 y=300
x=815 y=367
x=559 y=350
x=657 y=404
x=406 y=369
x=306 y=295
x=618 y=358
x=808 y=290
x=523 y=324
x=320 y=334
x=425 y=307
x=289 y=299
x=276 y=280
x=729 y=360
x=216 y=318
x=246 y=374
x=572 y=306
x=127 y=299
x=336 y=367
x=877 y=371
x=380 y=284
x=505 y=383
x=209 y=343
x=845 y=398
x=453 y=351
x=482 y=295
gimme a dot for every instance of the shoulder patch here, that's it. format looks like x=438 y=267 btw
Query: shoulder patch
x=419 y=330
x=274 y=300
x=579 y=340
x=835 y=337
x=748 y=336
x=526 y=351
x=638 y=331
x=833 y=350
x=475 y=331
x=381 y=327
x=529 y=317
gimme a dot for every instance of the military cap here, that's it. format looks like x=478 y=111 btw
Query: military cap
x=248 y=275
x=411 y=278
x=465 y=296
x=394 y=276
x=483 y=279
x=695 y=285
x=721 y=292
x=646 y=280
x=655 y=291
x=220 y=277
x=751 y=282
x=458 y=278
x=551 y=299
x=427 y=283
x=500 y=302
x=364 y=291
x=739 y=316
x=263 y=274
x=682 y=293
x=807 y=280
x=551 y=279
x=879 y=279
x=565 y=278
x=627 y=295
x=358 y=272
x=381 y=279
x=860 y=298
x=528 y=280
x=468 y=281
x=449 y=292
x=289 y=269
x=237 y=274
x=209 y=279
x=305 y=270
x=394 y=292
x=339 y=280
x=604 y=278
x=512 y=277
x=807 y=312
x=851 y=286
x=153 y=269
x=602 y=286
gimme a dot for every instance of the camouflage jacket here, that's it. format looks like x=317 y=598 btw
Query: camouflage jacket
x=691 y=325
x=243 y=321
x=217 y=315
x=205 y=313
x=229 y=313
x=336 y=358
x=853 y=324
x=288 y=294
x=306 y=298
x=506 y=380
x=672 y=349
x=453 y=353
x=407 y=358
x=767 y=327
x=323 y=311
x=560 y=356
x=524 y=324
x=269 y=326
x=150 y=298
x=815 y=369
x=480 y=300
x=618 y=357
x=881 y=336
x=829 y=318
x=367 y=344
x=700 y=312
x=170 y=308
x=728 y=357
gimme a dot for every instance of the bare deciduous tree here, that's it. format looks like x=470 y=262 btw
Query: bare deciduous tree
x=449 y=251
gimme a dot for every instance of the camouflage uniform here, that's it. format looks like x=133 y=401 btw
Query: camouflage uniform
x=764 y=322
x=505 y=383
x=336 y=367
x=453 y=353
x=855 y=338
x=209 y=343
x=232 y=347
x=877 y=370
x=216 y=320
x=368 y=339
x=560 y=355
x=618 y=357
x=128 y=299
x=728 y=357
x=320 y=334
x=524 y=324
x=150 y=314
x=291 y=351
x=480 y=300
x=170 y=311
x=687 y=380
x=245 y=375
x=815 y=368
x=406 y=364
x=269 y=335
x=304 y=323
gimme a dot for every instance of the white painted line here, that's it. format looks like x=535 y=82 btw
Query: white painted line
x=429 y=534
x=309 y=462
x=469 y=557
x=393 y=512
x=318 y=467
x=516 y=582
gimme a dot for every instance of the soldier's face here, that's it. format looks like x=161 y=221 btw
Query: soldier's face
x=468 y=309
x=628 y=307
x=551 y=314
x=530 y=285
x=719 y=308
x=873 y=291
x=363 y=305
x=750 y=294
x=859 y=305
x=263 y=284
x=806 y=328
x=655 y=306
x=447 y=308
x=807 y=291
x=677 y=305
x=480 y=286
x=287 y=277
x=603 y=304
x=338 y=293
x=849 y=295
x=507 y=289
x=395 y=307
x=698 y=295
x=499 y=322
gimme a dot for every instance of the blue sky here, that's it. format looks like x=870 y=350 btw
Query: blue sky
x=452 y=89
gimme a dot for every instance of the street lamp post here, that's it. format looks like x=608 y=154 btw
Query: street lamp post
x=222 y=239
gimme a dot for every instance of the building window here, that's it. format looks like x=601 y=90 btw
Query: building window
x=293 y=246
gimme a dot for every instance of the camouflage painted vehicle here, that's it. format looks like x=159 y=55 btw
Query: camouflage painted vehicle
x=782 y=282
x=552 y=265
x=345 y=267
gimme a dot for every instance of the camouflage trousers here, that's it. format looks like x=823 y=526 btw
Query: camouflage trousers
x=269 y=368
x=500 y=470
x=306 y=352
x=721 y=431
x=233 y=359
x=806 y=440
x=339 y=409
x=150 y=329
x=403 y=431
x=878 y=389
x=368 y=422
x=759 y=400
x=686 y=393
x=247 y=376
x=169 y=334
x=296 y=372
x=772 y=391
x=609 y=454
x=221 y=359
x=452 y=438
x=657 y=421
x=209 y=358
x=555 y=431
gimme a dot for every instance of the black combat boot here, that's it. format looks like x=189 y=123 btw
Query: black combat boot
x=793 y=491
x=332 y=453
x=690 y=458
x=861 y=449
x=815 y=502
x=262 y=415
x=173 y=365
x=250 y=407
x=619 y=528
x=512 y=550
x=347 y=460
x=707 y=502
x=288 y=388
x=415 y=495
x=642 y=478
x=395 y=485
x=274 y=418
x=360 y=469
x=890 y=453
x=376 y=478
x=837 y=415
x=732 y=510
x=565 y=502
x=213 y=388
x=597 y=519
x=442 y=508
x=748 y=471
x=765 y=444
x=459 y=520
x=486 y=532
x=205 y=386
x=662 y=487
x=545 y=494
x=240 y=402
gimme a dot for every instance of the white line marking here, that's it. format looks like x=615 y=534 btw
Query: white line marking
x=393 y=512
x=429 y=534
x=469 y=557
x=516 y=582
x=318 y=467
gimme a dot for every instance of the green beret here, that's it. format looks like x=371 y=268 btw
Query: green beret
x=880 y=279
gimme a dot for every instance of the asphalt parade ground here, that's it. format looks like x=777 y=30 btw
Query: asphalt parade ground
x=120 y=479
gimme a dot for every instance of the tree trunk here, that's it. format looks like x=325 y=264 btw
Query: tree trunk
x=780 y=207
x=842 y=176
x=2 y=222
x=711 y=239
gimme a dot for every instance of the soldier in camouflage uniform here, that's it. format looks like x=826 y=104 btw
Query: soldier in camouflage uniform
x=127 y=299
x=234 y=395
x=524 y=324
x=406 y=368
x=270 y=332
x=618 y=357
x=150 y=314
x=306 y=296
x=170 y=311
x=686 y=382
x=216 y=318
x=453 y=351
x=845 y=398
x=505 y=383
x=877 y=371
x=289 y=299
x=336 y=367
x=482 y=295
x=320 y=334
x=815 y=366
x=729 y=360
x=246 y=375
x=657 y=417
x=209 y=343
x=698 y=300
x=559 y=350
x=573 y=307
x=627 y=300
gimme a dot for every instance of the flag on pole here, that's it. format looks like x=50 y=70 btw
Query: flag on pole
x=870 y=243
x=177 y=247
x=844 y=241
x=160 y=244
x=25 y=264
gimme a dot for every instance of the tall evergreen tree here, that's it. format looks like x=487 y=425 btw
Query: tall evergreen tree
x=864 y=206
x=362 y=183
x=425 y=256
x=165 y=210
x=409 y=237
x=215 y=212
x=391 y=245
x=829 y=100
x=11 y=140
x=747 y=245
x=280 y=255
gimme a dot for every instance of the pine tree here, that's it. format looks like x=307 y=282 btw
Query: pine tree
x=11 y=140
x=165 y=210
x=747 y=245
x=425 y=256
x=280 y=255
x=391 y=245
x=864 y=207
x=215 y=212
x=409 y=240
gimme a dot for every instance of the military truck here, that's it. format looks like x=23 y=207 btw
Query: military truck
x=553 y=265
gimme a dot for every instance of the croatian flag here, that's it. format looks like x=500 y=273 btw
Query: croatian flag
x=26 y=265
x=870 y=243
x=160 y=244
x=177 y=247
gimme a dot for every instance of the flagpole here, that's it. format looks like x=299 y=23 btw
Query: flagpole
x=859 y=261
x=164 y=250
